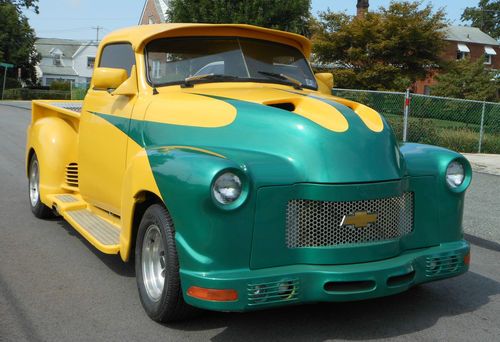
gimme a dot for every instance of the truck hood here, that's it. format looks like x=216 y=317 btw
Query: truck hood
x=315 y=137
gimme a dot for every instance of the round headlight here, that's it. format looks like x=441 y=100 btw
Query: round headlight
x=455 y=174
x=227 y=188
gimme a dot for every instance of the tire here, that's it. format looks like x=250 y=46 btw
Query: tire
x=156 y=259
x=39 y=209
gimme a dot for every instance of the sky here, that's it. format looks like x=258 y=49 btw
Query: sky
x=77 y=19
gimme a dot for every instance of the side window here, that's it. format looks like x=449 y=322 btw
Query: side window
x=118 y=56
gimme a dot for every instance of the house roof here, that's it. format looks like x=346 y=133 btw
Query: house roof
x=162 y=7
x=58 y=70
x=467 y=34
x=69 y=47
x=139 y=35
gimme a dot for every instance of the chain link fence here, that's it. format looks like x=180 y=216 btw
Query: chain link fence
x=457 y=124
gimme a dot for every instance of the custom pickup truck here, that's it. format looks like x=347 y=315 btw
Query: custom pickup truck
x=213 y=157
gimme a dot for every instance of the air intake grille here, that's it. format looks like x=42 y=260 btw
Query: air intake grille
x=443 y=265
x=273 y=292
x=320 y=223
x=72 y=175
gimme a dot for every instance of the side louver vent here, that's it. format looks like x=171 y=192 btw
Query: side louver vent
x=72 y=175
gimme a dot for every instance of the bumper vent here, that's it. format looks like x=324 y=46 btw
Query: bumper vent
x=273 y=292
x=72 y=175
x=323 y=224
x=443 y=265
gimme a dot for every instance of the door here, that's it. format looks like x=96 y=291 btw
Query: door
x=102 y=146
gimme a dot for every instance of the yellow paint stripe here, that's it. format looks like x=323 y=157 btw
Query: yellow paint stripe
x=171 y=148
x=369 y=116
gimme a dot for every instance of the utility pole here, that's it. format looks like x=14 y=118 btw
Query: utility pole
x=97 y=28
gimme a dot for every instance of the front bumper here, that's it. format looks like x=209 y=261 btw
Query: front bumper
x=260 y=288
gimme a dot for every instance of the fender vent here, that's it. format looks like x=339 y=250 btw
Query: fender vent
x=72 y=175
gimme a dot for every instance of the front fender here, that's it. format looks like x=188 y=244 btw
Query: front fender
x=427 y=160
x=207 y=236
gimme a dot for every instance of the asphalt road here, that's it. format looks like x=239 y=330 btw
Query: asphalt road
x=56 y=287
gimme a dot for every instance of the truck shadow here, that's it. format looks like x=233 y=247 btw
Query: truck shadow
x=113 y=262
x=415 y=310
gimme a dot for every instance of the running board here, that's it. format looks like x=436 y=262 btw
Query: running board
x=101 y=233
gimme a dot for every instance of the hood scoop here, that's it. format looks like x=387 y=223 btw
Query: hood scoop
x=288 y=106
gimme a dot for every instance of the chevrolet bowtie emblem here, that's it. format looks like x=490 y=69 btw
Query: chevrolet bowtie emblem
x=360 y=219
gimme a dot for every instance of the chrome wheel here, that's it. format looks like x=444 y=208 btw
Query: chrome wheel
x=34 y=182
x=153 y=262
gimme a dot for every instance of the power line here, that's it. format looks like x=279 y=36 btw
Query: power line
x=97 y=28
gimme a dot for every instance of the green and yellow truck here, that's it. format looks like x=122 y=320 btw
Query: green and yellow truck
x=215 y=159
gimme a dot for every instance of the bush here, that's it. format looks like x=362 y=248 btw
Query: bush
x=60 y=85
x=461 y=139
x=33 y=94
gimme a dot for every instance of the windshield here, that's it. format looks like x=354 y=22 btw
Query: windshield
x=172 y=60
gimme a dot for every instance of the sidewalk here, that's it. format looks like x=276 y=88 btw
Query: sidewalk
x=484 y=163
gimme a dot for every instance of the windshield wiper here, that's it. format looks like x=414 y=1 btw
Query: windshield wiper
x=188 y=81
x=296 y=83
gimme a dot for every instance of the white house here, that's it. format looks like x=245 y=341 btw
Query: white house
x=66 y=59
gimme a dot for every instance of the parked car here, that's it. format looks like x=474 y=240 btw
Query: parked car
x=244 y=189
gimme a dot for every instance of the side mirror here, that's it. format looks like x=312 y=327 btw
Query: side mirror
x=129 y=87
x=108 y=78
x=325 y=82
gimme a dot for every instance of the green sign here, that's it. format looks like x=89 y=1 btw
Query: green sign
x=6 y=65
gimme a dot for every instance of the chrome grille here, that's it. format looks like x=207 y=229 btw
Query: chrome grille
x=319 y=223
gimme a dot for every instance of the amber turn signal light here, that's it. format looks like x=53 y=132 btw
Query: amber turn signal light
x=212 y=294
x=467 y=259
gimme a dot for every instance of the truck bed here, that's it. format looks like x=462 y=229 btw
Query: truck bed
x=71 y=108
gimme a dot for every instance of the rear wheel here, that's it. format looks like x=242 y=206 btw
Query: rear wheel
x=39 y=209
x=157 y=267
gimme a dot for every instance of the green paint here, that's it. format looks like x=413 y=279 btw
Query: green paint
x=281 y=156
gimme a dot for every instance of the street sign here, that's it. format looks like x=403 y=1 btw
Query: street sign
x=6 y=65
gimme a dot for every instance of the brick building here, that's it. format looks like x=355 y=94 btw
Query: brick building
x=154 y=12
x=465 y=42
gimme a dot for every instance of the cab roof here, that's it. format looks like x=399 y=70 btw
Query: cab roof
x=139 y=36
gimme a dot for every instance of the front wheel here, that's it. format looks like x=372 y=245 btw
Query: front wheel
x=157 y=267
x=39 y=209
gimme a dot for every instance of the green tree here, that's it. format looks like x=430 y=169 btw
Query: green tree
x=388 y=49
x=467 y=80
x=20 y=4
x=17 y=40
x=486 y=16
x=288 y=15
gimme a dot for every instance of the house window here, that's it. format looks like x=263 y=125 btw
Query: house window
x=489 y=52
x=156 y=69
x=427 y=90
x=57 y=59
x=90 y=62
x=462 y=51
x=151 y=20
